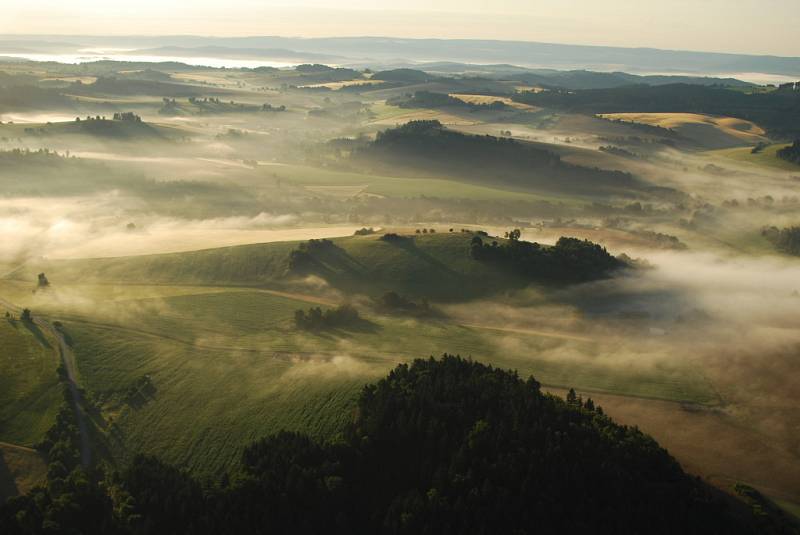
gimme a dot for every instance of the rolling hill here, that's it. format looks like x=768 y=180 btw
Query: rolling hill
x=702 y=130
x=436 y=266
x=426 y=148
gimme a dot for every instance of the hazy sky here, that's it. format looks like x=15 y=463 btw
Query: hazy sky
x=749 y=26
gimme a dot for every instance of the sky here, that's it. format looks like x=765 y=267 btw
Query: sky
x=743 y=26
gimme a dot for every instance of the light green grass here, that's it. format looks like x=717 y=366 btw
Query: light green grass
x=229 y=368
x=434 y=266
x=29 y=390
x=766 y=158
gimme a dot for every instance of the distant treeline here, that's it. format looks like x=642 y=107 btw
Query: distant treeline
x=569 y=260
x=445 y=446
x=777 y=111
x=428 y=148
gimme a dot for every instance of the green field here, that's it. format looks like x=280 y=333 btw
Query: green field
x=29 y=390
x=765 y=158
x=229 y=367
x=436 y=266
x=405 y=187
x=213 y=336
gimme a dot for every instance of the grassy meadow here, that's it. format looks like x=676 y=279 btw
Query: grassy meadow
x=29 y=389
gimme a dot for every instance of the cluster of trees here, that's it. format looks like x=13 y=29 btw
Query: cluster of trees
x=270 y=107
x=333 y=318
x=437 y=447
x=127 y=116
x=89 y=118
x=393 y=237
x=569 y=260
x=364 y=231
x=394 y=303
x=425 y=231
x=301 y=260
x=618 y=151
x=790 y=153
x=786 y=240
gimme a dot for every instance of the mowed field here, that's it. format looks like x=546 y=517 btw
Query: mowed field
x=705 y=130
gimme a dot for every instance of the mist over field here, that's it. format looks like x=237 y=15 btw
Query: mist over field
x=211 y=246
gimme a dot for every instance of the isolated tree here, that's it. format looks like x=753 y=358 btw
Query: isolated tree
x=26 y=315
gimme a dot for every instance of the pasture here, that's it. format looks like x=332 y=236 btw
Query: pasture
x=29 y=389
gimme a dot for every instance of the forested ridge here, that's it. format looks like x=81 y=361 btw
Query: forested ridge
x=438 y=446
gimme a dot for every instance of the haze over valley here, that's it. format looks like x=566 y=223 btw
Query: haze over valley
x=407 y=284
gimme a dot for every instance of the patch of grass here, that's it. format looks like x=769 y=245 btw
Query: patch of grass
x=29 y=389
x=21 y=469
x=765 y=158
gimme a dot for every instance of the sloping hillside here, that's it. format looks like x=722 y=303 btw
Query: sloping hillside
x=427 y=148
x=432 y=265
